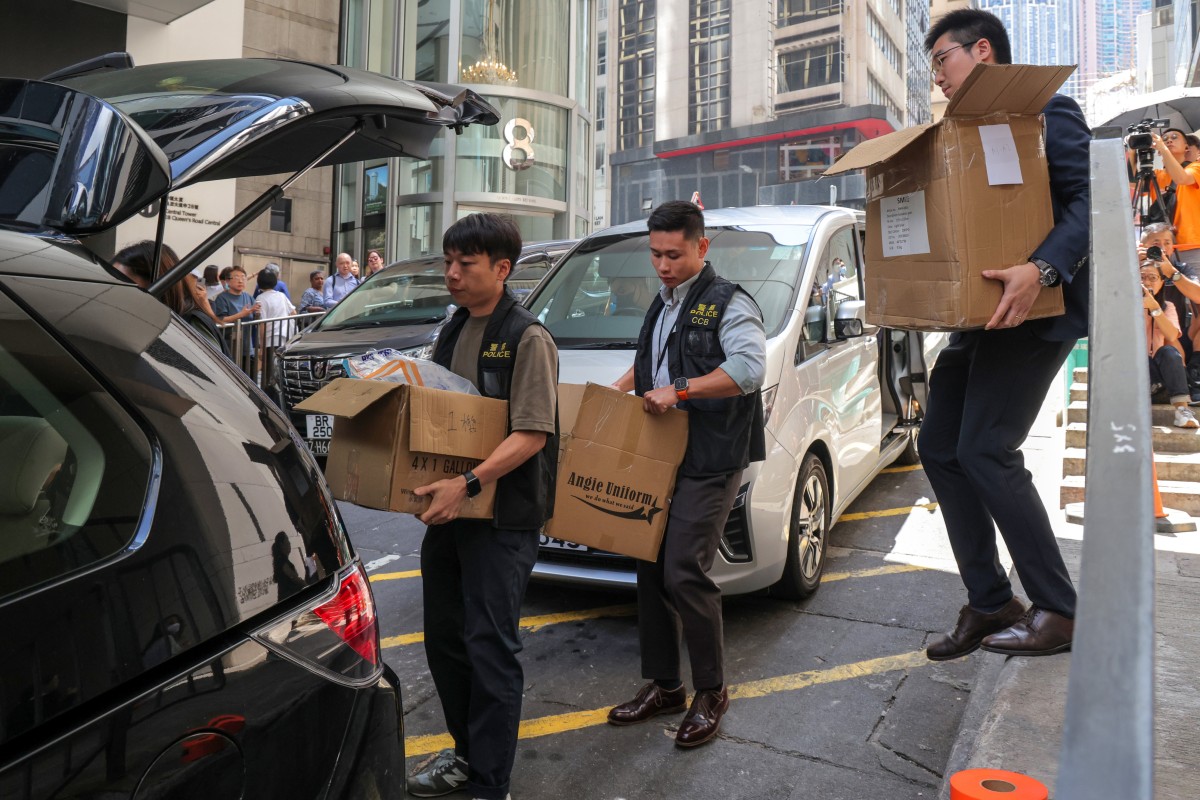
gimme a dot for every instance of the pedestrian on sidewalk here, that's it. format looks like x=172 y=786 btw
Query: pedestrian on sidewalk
x=474 y=572
x=1163 y=339
x=709 y=363
x=988 y=385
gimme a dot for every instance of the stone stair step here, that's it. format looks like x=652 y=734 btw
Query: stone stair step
x=1170 y=466
x=1080 y=375
x=1163 y=415
x=1078 y=391
x=1166 y=438
x=1180 y=495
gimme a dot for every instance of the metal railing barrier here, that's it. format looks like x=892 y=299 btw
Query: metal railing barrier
x=252 y=342
x=1108 y=734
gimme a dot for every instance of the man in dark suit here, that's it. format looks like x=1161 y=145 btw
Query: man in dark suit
x=988 y=385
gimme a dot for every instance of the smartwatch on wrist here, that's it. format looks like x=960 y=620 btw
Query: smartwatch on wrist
x=474 y=487
x=681 y=389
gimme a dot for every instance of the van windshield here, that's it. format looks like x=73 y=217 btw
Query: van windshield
x=411 y=293
x=599 y=296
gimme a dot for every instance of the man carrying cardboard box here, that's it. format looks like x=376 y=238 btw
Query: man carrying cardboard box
x=702 y=348
x=474 y=572
x=988 y=385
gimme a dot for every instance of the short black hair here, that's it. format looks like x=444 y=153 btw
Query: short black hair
x=495 y=235
x=968 y=25
x=267 y=280
x=678 y=215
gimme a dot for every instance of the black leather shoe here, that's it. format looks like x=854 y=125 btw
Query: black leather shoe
x=971 y=628
x=650 y=701
x=1040 y=633
x=703 y=719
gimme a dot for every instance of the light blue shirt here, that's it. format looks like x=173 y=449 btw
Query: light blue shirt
x=740 y=332
x=336 y=287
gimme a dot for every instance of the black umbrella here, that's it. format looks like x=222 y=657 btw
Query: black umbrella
x=1179 y=106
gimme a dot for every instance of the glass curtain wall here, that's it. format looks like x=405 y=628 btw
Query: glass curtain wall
x=534 y=61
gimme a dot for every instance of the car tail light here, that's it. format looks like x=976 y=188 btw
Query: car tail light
x=337 y=633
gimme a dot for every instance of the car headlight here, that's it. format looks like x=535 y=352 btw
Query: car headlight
x=768 y=401
x=424 y=351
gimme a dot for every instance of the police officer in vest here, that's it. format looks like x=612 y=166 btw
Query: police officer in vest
x=474 y=572
x=701 y=349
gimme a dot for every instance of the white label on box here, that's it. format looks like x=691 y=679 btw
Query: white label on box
x=905 y=229
x=1000 y=155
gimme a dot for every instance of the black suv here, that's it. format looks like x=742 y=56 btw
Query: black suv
x=402 y=307
x=183 y=613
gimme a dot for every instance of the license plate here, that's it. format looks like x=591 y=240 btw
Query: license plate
x=320 y=426
x=319 y=447
x=547 y=541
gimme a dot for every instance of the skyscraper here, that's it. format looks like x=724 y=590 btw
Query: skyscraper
x=1046 y=32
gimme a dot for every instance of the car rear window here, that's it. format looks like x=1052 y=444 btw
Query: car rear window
x=76 y=467
x=600 y=294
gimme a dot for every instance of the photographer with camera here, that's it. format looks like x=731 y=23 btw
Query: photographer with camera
x=1155 y=189
x=1163 y=335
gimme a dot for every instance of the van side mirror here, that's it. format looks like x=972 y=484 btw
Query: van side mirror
x=814 y=324
x=850 y=319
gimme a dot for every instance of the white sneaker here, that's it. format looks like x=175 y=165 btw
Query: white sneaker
x=1184 y=418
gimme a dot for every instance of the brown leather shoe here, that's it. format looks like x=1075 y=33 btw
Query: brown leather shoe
x=1040 y=633
x=971 y=628
x=703 y=719
x=650 y=701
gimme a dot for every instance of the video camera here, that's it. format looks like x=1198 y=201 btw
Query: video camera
x=1141 y=142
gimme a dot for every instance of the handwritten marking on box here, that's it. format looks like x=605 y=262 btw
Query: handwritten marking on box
x=905 y=228
x=1000 y=155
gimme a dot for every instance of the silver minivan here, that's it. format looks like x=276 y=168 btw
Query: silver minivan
x=843 y=398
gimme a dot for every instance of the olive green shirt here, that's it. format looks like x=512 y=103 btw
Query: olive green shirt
x=534 y=390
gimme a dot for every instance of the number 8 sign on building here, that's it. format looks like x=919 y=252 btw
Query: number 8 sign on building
x=522 y=144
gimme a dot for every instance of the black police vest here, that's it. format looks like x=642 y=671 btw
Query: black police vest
x=724 y=435
x=525 y=496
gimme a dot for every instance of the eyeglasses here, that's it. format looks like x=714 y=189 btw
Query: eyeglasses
x=938 y=58
x=1172 y=137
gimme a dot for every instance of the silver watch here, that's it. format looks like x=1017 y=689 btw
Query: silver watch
x=1048 y=275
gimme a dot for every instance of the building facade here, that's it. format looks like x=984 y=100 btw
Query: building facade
x=534 y=61
x=296 y=233
x=748 y=102
x=1043 y=32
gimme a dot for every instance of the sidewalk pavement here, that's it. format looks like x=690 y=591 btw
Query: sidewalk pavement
x=1014 y=718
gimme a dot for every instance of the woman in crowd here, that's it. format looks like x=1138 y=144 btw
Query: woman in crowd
x=183 y=297
x=1167 y=374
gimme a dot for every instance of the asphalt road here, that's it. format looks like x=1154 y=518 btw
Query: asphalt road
x=832 y=698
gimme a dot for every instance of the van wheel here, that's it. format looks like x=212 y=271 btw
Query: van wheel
x=809 y=536
x=911 y=456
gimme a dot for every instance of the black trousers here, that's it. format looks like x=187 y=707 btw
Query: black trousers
x=1169 y=374
x=984 y=395
x=675 y=592
x=473 y=578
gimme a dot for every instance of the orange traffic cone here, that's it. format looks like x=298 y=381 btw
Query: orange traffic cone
x=1158 y=507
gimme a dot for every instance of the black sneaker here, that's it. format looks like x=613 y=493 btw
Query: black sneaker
x=447 y=773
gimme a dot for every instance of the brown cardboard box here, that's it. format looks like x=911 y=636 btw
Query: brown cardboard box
x=948 y=200
x=390 y=438
x=617 y=471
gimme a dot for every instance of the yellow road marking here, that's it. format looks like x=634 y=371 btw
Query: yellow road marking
x=533 y=623
x=912 y=468
x=887 y=512
x=561 y=723
x=395 y=576
x=891 y=569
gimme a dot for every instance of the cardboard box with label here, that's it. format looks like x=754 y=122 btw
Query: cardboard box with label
x=391 y=438
x=948 y=200
x=616 y=471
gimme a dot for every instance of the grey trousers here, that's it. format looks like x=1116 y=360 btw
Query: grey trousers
x=675 y=592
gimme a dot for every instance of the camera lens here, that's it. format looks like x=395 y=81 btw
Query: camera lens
x=1154 y=253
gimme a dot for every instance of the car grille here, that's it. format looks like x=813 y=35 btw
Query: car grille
x=299 y=382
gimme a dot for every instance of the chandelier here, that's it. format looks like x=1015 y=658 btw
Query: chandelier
x=489 y=69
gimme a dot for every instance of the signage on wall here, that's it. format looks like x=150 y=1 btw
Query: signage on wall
x=518 y=152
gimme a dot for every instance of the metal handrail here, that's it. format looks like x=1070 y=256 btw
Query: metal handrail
x=1108 y=734
x=257 y=361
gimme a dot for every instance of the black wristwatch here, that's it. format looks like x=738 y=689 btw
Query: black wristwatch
x=1048 y=275
x=681 y=388
x=474 y=487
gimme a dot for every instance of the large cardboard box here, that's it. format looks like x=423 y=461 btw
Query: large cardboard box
x=616 y=472
x=391 y=438
x=948 y=200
